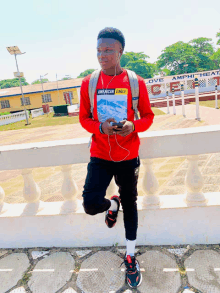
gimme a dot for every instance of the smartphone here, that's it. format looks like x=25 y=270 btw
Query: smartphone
x=119 y=125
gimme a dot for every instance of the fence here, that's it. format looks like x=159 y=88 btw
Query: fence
x=157 y=87
x=171 y=219
x=12 y=118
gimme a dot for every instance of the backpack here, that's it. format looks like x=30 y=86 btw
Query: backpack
x=133 y=84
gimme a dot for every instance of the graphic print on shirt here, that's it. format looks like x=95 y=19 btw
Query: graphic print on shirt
x=112 y=103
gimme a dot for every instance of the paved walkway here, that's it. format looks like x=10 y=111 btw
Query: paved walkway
x=165 y=269
x=208 y=114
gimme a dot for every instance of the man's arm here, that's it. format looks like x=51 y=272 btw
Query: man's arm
x=144 y=108
x=85 y=118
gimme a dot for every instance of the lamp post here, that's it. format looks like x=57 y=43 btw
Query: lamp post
x=14 y=50
x=41 y=76
x=58 y=90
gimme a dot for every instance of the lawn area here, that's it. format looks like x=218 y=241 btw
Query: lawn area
x=41 y=121
x=49 y=120
x=210 y=104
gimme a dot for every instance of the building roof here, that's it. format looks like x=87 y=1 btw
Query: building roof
x=36 y=88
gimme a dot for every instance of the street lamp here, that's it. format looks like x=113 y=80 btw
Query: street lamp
x=41 y=76
x=58 y=90
x=14 y=50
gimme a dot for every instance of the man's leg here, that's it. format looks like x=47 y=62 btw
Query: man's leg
x=127 y=178
x=98 y=178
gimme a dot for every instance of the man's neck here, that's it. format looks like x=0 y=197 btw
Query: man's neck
x=112 y=71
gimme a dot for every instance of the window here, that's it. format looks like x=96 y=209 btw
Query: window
x=5 y=104
x=46 y=98
x=68 y=96
x=26 y=101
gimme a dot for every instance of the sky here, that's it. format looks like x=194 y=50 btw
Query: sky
x=60 y=37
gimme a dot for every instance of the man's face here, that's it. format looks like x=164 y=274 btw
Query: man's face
x=108 y=51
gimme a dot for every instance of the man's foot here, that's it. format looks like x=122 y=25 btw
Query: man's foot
x=133 y=274
x=111 y=216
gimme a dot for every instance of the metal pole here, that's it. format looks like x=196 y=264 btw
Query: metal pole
x=174 y=108
x=58 y=91
x=197 y=98
x=216 y=97
x=183 y=104
x=21 y=91
x=168 y=109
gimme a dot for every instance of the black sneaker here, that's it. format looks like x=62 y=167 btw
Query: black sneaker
x=111 y=217
x=133 y=274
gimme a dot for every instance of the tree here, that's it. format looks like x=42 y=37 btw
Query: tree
x=204 y=50
x=218 y=36
x=202 y=46
x=138 y=63
x=188 y=57
x=86 y=72
x=216 y=59
x=175 y=56
x=39 y=81
x=8 y=83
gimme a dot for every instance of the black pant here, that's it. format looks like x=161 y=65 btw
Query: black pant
x=99 y=176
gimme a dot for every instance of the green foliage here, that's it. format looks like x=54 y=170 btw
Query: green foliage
x=137 y=62
x=216 y=59
x=196 y=54
x=86 y=72
x=218 y=36
x=39 y=81
x=5 y=113
x=8 y=83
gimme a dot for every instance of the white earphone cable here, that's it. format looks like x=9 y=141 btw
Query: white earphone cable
x=115 y=134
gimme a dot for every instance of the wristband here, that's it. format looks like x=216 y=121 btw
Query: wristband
x=133 y=125
x=100 y=128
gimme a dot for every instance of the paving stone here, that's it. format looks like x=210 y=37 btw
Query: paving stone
x=3 y=252
x=69 y=290
x=18 y=290
x=212 y=180
x=178 y=251
x=52 y=273
x=12 y=268
x=37 y=254
x=205 y=274
x=101 y=273
x=160 y=273
x=177 y=181
x=81 y=253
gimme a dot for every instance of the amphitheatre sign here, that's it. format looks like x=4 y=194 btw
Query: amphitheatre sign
x=157 y=87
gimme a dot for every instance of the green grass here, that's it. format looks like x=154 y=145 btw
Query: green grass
x=157 y=111
x=210 y=103
x=49 y=120
x=41 y=121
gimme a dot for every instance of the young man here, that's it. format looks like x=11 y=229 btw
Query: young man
x=114 y=151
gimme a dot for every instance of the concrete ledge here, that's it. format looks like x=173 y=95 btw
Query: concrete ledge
x=172 y=224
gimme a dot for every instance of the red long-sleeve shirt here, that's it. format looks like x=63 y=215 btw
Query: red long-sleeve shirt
x=102 y=143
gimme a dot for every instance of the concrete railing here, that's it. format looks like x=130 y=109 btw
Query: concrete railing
x=189 y=218
x=37 y=112
x=12 y=118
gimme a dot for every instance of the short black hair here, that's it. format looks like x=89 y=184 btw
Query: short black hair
x=112 y=33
